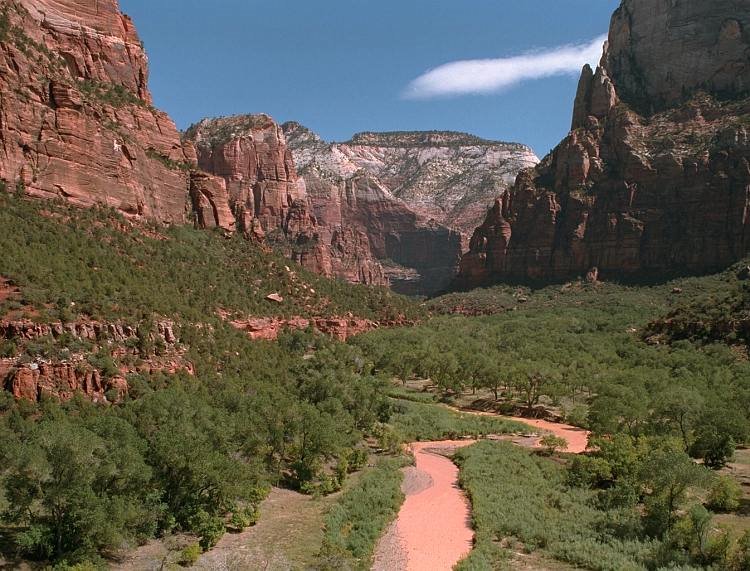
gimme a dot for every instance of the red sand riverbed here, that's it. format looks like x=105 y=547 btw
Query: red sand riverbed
x=577 y=438
x=433 y=529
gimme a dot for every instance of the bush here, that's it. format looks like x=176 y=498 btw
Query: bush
x=358 y=519
x=209 y=528
x=245 y=517
x=189 y=555
x=553 y=443
x=725 y=495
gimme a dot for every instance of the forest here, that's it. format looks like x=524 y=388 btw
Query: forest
x=658 y=373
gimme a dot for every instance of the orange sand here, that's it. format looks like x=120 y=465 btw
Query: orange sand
x=577 y=438
x=435 y=523
x=433 y=529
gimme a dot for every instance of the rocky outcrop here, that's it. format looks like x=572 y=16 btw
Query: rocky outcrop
x=76 y=115
x=72 y=372
x=341 y=328
x=269 y=328
x=85 y=330
x=413 y=195
x=267 y=200
x=654 y=178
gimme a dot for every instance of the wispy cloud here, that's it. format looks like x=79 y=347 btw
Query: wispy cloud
x=483 y=76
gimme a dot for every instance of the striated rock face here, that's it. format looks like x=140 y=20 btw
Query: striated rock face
x=444 y=176
x=249 y=152
x=76 y=115
x=269 y=328
x=413 y=195
x=263 y=196
x=63 y=378
x=661 y=52
x=654 y=177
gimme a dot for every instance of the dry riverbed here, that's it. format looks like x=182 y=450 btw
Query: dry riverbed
x=433 y=529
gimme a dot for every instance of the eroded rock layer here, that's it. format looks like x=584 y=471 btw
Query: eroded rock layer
x=653 y=178
x=262 y=195
x=415 y=195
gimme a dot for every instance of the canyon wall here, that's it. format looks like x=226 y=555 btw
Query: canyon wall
x=414 y=195
x=653 y=178
x=76 y=116
x=77 y=123
x=268 y=200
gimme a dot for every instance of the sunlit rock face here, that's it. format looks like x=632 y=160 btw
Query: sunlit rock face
x=414 y=195
x=268 y=200
x=653 y=178
x=77 y=120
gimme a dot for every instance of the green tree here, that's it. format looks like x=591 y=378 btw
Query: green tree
x=666 y=474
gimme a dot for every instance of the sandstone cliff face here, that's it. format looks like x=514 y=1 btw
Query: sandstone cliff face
x=262 y=195
x=443 y=176
x=654 y=177
x=76 y=115
x=414 y=195
x=71 y=372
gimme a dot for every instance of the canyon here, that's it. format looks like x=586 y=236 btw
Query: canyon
x=79 y=125
x=653 y=179
x=415 y=195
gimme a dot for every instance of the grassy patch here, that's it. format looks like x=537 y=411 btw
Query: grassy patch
x=420 y=421
x=109 y=93
x=521 y=497
x=110 y=268
x=356 y=522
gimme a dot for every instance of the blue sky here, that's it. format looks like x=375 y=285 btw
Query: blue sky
x=343 y=66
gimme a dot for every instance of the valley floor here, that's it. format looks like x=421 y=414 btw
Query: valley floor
x=288 y=536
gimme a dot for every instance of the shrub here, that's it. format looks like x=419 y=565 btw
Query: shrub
x=553 y=443
x=209 y=528
x=189 y=555
x=357 y=520
x=725 y=495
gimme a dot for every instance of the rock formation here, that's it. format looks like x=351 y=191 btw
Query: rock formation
x=77 y=123
x=262 y=196
x=413 y=195
x=76 y=115
x=64 y=376
x=653 y=178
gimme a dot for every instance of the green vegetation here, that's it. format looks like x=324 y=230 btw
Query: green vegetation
x=111 y=269
x=519 y=496
x=82 y=479
x=219 y=130
x=579 y=351
x=356 y=522
x=646 y=515
x=4 y=24
x=109 y=93
x=659 y=403
x=414 y=421
x=720 y=316
x=182 y=453
x=171 y=164
x=653 y=371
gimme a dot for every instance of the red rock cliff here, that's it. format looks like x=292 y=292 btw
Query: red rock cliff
x=267 y=198
x=77 y=122
x=654 y=177
x=76 y=119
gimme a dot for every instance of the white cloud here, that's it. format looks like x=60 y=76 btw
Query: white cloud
x=482 y=76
